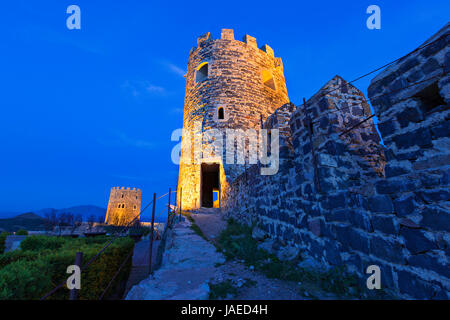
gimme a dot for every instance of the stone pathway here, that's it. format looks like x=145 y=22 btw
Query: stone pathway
x=188 y=263
x=211 y=223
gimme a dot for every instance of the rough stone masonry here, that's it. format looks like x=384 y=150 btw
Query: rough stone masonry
x=344 y=198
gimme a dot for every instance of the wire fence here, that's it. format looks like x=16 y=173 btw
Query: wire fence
x=116 y=235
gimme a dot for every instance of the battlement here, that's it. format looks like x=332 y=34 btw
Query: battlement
x=126 y=189
x=228 y=34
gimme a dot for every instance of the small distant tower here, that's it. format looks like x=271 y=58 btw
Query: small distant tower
x=123 y=206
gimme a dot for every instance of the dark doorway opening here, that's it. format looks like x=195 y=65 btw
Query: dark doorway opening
x=210 y=183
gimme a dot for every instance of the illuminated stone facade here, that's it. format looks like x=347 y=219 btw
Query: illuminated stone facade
x=123 y=206
x=230 y=84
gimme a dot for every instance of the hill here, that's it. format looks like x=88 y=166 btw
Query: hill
x=28 y=221
x=34 y=221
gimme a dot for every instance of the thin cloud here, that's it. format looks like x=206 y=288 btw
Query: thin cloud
x=142 y=88
x=177 y=70
x=156 y=89
x=177 y=110
x=174 y=68
x=123 y=140
x=138 y=143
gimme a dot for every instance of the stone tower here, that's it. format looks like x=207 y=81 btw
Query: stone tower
x=123 y=206
x=230 y=84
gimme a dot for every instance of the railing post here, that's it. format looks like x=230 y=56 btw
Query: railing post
x=313 y=153
x=151 y=235
x=168 y=211
x=220 y=200
x=168 y=207
x=78 y=262
x=181 y=201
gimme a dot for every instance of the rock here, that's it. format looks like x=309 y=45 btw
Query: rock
x=311 y=265
x=259 y=234
x=287 y=253
x=267 y=245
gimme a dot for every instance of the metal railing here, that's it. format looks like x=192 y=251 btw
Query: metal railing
x=119 y=233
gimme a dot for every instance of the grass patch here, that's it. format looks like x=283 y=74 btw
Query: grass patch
x=198 y=231
x=196 y=228
x=221 y=290
x=249 y=282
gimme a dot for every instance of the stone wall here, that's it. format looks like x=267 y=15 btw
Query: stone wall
x=343 y=199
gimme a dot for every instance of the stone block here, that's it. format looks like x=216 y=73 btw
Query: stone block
x=441 y=131
x=395 y=170
x=381 y=204
x=385 y=224
x=431 y=261
x=420 y=137
x=405 y=205
x=411 y=284
x=360 y=219
x=391 y=186
x=387 y=249
x=436 y=218
x=416 y=240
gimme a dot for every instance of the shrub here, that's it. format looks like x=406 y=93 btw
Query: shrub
x=3 y=236
x=16 y=255
x=22 y=232
x=222 y=289
x=36 y=243
x=24 y=280
x=236 y=242
x=2 y=243
x=42 y=264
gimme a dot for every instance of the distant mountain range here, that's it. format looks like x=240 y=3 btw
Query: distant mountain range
x=35 y=220
x=85 y=211
x=27 y=221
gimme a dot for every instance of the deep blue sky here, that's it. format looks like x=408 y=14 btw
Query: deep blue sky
x=85 y=110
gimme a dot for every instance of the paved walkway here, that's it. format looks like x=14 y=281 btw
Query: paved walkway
x=188 y=263
x=211 y=223
x=13 y=242
x=140 y=269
